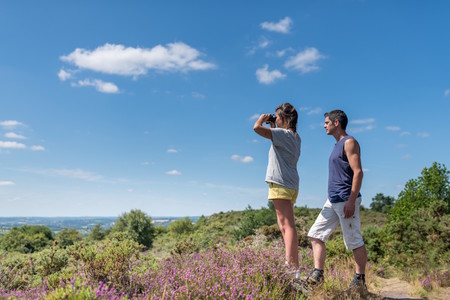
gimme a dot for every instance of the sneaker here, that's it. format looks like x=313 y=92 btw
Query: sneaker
x=294 y=274
x=315 y=277
x=359 y=280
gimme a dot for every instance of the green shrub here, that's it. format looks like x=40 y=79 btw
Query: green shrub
x=97 y=233
x=182 y=226
x=252 y=220
x=108 y=261
x=27 y=239
x=67 y=237
x=137 y=225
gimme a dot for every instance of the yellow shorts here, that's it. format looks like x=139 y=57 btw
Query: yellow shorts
x=279 y=192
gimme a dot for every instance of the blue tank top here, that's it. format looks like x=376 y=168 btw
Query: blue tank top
x=340 y=175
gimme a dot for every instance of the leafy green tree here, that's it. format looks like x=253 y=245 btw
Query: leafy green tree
x=182 y=226
x=137 y=225
x=97 y=233
x=27 y=239
x=418 y=232
x=68 y=237
x=382 y=203
x=254 y=219
x=432 y=186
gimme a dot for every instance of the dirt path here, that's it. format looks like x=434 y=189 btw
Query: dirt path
x=394 y=288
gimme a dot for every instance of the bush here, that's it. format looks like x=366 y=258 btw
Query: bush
x=252 y=220
x=97 y=233
x=67 y=237
x=418 y=233
x=433 y=185
x=27 y=239
x=137 y=225
x=182 y=226
x=108 y=261
x=382 y=203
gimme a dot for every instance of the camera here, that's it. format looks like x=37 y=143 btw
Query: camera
x=272 y=119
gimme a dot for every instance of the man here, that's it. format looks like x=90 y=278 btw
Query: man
x=342 y=206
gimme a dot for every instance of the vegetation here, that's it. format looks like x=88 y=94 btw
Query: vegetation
x=382 y=203
x=237 y=254
x=137 y=225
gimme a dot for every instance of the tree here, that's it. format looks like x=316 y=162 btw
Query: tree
x=382 y=203
x=137 y=225
x=68 y=237
x=182 y=226
x=97 y=233
x=27 y=239
x=418 y=232
x=254 y=219
x=432 y=186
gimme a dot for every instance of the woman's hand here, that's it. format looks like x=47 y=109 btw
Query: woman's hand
x=260 y=129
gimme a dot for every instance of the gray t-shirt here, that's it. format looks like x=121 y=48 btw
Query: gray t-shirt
x=283 y=158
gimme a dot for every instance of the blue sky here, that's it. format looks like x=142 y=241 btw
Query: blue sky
x=107 y=106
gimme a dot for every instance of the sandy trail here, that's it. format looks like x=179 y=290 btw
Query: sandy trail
x=394 y=288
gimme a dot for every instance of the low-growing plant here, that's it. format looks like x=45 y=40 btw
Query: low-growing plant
x=108 y=261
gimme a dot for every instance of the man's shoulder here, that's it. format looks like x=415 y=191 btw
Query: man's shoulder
x=351 y=143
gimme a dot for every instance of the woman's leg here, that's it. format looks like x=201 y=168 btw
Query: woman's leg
x=286 y=222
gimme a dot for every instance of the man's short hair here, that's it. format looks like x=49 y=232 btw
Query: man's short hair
x=338 y=115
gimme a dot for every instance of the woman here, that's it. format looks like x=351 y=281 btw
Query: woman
x=282 y=175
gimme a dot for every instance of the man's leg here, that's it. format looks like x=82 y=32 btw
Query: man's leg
x=319 y=253
x=360 y=259
x=324 y=225
x=286 y=222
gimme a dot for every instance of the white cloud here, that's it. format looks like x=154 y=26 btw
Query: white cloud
x=305 y=61
x=316 y=125
x=196 y=95
x=281 y=53
x=70 y=173
x=283 y=26
x=243 y=159
x=12 y=145
x=363 y=121
x=172 y=151
x=401 y=146
x=267 y=77
x=361 y=129
x=365 y=170
x=129 y=61
x=403 y=133
x=315 y=111
x=63 y=75
x=367 y=125
x=10 y=124
x=101 y=86
x=447 y=93
x=7 y=183
x=393 y=128
x=263 y=43
x=407 y=157
x=37 y=148
x=423 y=134
x=174 y=173
x=254 y=117
x=12 y=135
x=76 y=174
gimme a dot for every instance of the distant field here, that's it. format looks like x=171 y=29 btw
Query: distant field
x=82 y=224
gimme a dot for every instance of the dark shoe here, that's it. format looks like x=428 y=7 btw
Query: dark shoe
x=359 y=280
x=315 y=277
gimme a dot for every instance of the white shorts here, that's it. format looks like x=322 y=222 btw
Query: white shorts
x=331 y=215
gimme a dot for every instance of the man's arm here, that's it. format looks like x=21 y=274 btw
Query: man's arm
x=351 y=148
x=260 y=129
